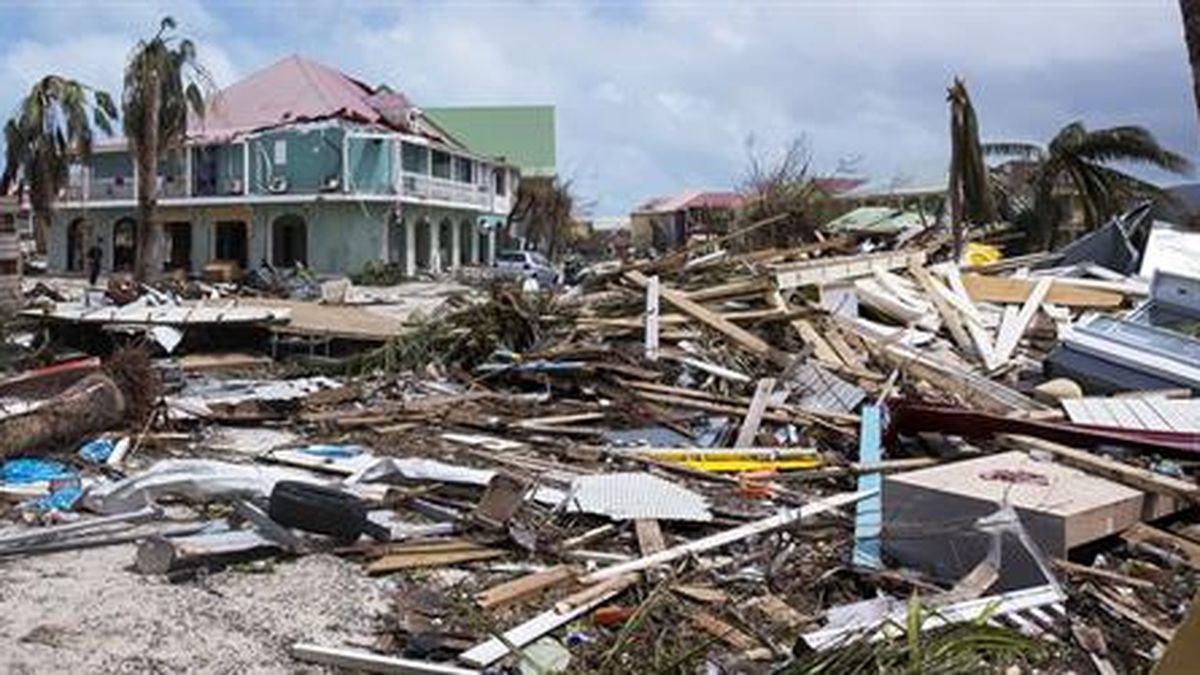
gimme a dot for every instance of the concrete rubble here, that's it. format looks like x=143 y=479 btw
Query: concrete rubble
x=720 y=459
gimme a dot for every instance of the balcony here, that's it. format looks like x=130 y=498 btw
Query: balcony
x=443 y=190
x=109 y=188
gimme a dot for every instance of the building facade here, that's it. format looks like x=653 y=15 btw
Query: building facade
x=298 y=163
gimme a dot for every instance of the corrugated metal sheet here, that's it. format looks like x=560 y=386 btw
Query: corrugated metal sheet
x=630 y=496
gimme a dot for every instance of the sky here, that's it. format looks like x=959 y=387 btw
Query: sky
x=656 y=97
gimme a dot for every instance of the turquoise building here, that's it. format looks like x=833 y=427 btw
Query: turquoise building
x=298 y=163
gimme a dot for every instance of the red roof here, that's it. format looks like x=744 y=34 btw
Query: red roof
x=693 y=199
x=836 y=185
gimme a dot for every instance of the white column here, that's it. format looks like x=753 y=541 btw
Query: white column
x=410 y=247
x=435 y=247
x=455 y=245
x=491 y=247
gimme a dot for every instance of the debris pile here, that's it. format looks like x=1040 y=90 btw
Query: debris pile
x=851 y=454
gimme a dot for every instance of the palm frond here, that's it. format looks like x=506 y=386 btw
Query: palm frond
x=1019 y=149
x=1130 y=144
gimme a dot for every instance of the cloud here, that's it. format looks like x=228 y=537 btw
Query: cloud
x=654 y=97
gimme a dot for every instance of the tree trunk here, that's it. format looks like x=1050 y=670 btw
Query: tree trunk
x=1190 y=11
x=149 y=255
x=41 y=231
x=91 y=405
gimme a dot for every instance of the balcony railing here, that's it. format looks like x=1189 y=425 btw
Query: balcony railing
x=441 y=189
x=104 y=189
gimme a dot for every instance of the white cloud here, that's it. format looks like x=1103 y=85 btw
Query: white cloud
x=654 y=97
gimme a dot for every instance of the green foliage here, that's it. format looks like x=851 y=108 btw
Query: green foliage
x=915 y=649
x=510 y=320
x=51 y=129
x=379 y=273
x=1076 y=163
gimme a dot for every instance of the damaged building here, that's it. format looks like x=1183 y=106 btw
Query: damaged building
x=297 y=163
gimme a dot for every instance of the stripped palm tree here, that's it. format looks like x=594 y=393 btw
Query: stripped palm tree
x=1079 y=162
x=969 y=191
x=163 y=83
x=51 y=129
x=1189 y=11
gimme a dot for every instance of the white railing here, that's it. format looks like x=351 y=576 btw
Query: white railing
x=440 y=189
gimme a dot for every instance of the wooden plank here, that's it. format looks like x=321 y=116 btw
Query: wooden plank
x=1010 y=335
x=1095 y=572
x=405 y=561
x=1112 y=469
x=490 y=651
x=649 y=536
x=741 y=336
x=1148 y=534
x=517 y=589
x=984 y=345
x=950 y=316
x=651 y=338
x=754 y=413
x=722 y=630
x=707 y=594
x=868 y=518
x=1123 y=610
x=1015 y=291
x=369 y=662
x=782 y=519
x=819 y=271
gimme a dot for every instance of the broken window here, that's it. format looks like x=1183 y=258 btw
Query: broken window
x=441 y=164
x=414 y=158
x=500 y=178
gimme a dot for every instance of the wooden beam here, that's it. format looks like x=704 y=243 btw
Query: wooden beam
x=754 y=413
x=1097 y=573
x=1014 y=291
x=782 y=519
x=368 y=662
x=741 y=336
x=949 y=315
x=522 y=587
x=1010 y=334
x=1148 y=534
x=649 y=536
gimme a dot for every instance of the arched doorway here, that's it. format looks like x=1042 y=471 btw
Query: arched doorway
x=77 y=244
x=289 y=241
x=445 y=245
x=466 y=242
x=424 y=244
x=124 y=245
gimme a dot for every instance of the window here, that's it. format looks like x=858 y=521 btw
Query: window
x=462 y=170
x=441 y=164
x=500 y=176
x=511 y=257
x=414 y=158
x=280 y=152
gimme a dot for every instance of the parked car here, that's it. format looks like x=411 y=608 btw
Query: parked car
x=526 y=264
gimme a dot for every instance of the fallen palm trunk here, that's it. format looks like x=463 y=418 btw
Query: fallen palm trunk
x=91 y=405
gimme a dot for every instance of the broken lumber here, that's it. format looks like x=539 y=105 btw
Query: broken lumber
x=782 y=519
x=369 y=662
x=1008 y=290
x=512 y=591
x=490 y=651
x=754 y=413
x=741 y=336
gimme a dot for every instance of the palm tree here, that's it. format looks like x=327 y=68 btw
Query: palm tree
x=1079 y=161
x=51 y=130
x=969 y=191
x=163 y=82
x=1190 y=12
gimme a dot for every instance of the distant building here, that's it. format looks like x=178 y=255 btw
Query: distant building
x=297 y=163
x=665 y=223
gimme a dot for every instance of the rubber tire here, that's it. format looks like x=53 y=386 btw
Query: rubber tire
x=319 y=509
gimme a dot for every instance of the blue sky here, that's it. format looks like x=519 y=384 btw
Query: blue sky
x=655 y=97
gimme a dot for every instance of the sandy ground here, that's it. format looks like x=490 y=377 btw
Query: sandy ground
x=85 y=612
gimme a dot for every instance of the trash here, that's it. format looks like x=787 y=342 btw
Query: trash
x=97 y=451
